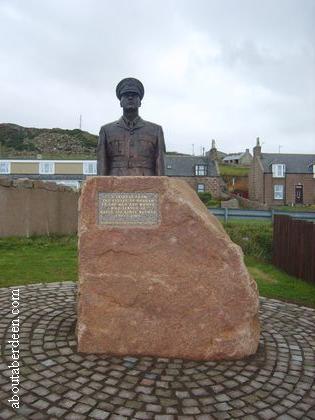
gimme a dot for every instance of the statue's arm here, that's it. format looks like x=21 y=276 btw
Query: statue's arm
x=102 y=166
x=159 y=167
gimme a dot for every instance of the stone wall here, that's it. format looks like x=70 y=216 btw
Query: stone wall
x=289 y=182
x=30 y=207
x=250 y=204
x=212 y=184
x=308 y=182
x=256 y=181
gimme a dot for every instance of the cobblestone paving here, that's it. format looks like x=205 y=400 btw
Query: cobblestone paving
x=57 y=382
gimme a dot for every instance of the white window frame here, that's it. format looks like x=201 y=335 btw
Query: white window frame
x=278 y=170
x=43 y=167
x=278 y=192
x=203 y=188
x=201 y=170
x=86 y=167
x=7 y=167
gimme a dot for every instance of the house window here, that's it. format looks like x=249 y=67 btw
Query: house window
x=278 y=170
x=89 y=168
x=278 y=192
x=200 y=188
x=5 y=167
x=46 y=168
x=200 y=170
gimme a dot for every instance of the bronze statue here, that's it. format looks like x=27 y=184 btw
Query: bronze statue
x=130 y=146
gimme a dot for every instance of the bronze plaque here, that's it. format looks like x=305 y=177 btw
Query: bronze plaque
x=135 y=208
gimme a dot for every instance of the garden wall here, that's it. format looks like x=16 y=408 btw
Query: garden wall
x=30 y=207
x=250 y=204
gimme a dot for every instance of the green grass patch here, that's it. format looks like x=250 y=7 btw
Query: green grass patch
x=253 y=236
x=207 y=199
x=233 y=170
x=45 y=259
x=214 y=203
x=276 y=284
x=310 y=208
x=37 y=260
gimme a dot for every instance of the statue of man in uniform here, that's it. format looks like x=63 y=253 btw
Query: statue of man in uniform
x=130 y=146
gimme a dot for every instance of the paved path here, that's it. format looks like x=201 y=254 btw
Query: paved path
x=57 y=382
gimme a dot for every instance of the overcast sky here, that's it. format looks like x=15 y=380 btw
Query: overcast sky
x=229 y=70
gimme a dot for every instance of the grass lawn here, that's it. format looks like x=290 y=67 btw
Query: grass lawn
x=37 y=260
x=52 y=259
x=233 y=170
x=275 y=283
x=302 y=209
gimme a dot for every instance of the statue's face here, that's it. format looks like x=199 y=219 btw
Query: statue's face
x=130 y=100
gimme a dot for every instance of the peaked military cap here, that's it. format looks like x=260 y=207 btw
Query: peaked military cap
x=129 y=85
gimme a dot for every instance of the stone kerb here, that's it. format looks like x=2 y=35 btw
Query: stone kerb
x=158 y=275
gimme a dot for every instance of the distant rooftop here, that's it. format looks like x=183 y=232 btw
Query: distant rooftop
x=294 y=163
x=176 y=165
x=234 y=156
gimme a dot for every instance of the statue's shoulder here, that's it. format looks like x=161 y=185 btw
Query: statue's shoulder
x=152 y=125
x=109 y=125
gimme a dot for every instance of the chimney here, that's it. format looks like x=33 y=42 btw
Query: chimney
x=213 y=154
x=257 y=148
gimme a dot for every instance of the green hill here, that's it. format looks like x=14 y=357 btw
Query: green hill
x=17 y=142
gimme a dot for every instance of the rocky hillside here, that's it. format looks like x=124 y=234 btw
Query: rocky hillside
x=51 y=143
x=17 y=141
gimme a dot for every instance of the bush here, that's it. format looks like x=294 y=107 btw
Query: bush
x=255 y=238
x=214 y=203
x=205 y=197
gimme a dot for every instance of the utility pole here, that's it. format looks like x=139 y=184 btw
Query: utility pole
x=80 y=123
x=193 y=149
x=280 y=148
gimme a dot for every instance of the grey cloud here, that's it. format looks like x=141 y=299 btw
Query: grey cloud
x=65 y=58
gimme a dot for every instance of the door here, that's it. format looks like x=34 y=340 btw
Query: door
x=299 y=194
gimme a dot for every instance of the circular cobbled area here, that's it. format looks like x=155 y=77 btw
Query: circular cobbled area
x=57 y=382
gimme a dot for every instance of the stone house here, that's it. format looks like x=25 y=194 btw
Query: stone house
x=282 y=179
x=243 y=158
x=201 y=172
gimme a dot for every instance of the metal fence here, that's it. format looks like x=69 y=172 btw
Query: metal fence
x=294 y=247
x=230 y=214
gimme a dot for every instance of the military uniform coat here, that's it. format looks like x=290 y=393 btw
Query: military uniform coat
x=131 y=148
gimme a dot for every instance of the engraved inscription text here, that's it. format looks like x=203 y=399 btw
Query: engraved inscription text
x=136 y=208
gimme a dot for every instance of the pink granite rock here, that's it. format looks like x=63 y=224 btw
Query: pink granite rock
x=172 y=286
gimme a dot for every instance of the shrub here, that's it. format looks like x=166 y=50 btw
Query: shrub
x=254 y=237
x=214 y=203
x=205 y=197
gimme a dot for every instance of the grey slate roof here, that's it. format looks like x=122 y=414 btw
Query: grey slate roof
x=234 y=156
x=176 y=165
x=294 y=163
